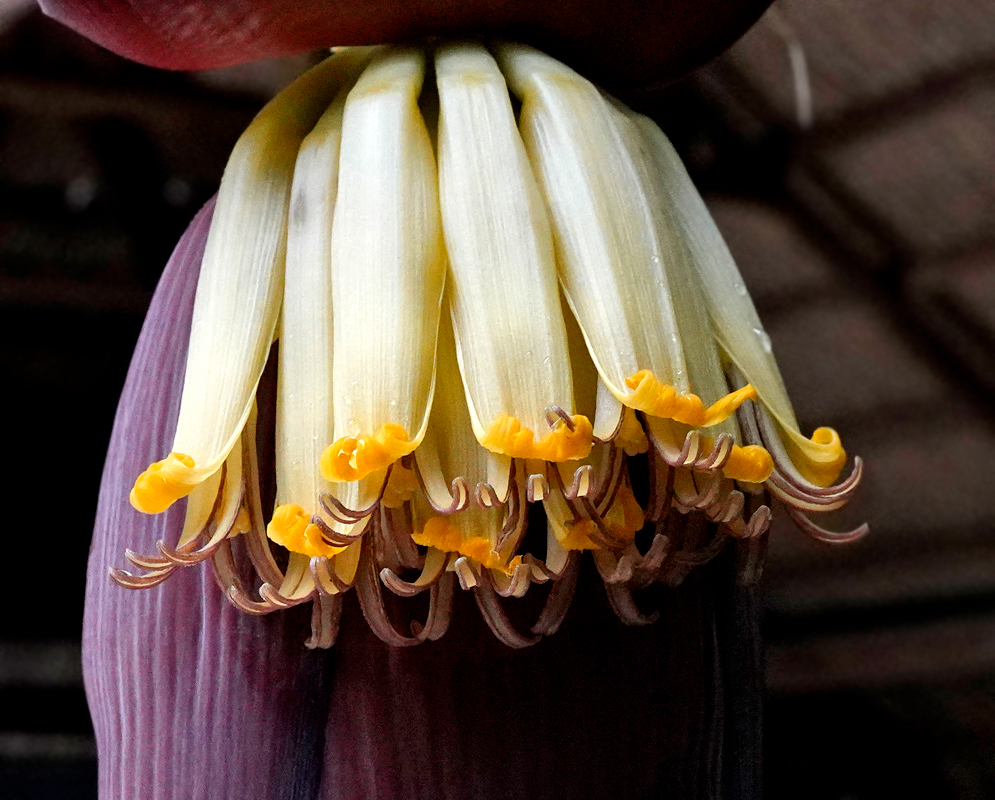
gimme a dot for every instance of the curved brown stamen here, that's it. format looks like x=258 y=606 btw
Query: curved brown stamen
x=601 y=536
x=272 y=595
x=625 y=607
x=129 y=581
x=150 y=563
x=258 y=542
x=614 y=570
x=515 y=585
x=326 y=580
x=243 y=602
x=558 y=600
x=792 y=494
x=325 y=615
x=226 y=574
x=486 y=496
x=649 y=566
x=537 y=488
x=433 y=568
x=701 y=556
x=555 y=414
x=516 y=519
x=466 y=572
x=823 y=535
x=661 y=482
x=372 y=603
x=440 y=610
x=339 y=512
x=333 y=537
x=717 y=457
x=496 y=618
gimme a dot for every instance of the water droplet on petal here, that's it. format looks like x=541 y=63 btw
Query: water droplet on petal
x=764 y=339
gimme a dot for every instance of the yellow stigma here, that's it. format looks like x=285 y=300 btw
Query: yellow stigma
x=353 y=458
x=663 y=400
x=440 y=534
x=402 y=487
x=292 y=527
x=565 y=442
x=819 y=459
x=751 y=464
x=163 y=483
x=623 y=520
x=631 y=436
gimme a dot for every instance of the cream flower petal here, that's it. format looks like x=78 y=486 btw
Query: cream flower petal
x=449 y=463
x=707 y=378
x=239 y=289
x=734 y=319
x=611 y=247
x=388 y=270
x=505 y=302
x=304 y=400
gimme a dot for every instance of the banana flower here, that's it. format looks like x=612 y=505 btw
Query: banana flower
x=473 y=316
x=490 y=295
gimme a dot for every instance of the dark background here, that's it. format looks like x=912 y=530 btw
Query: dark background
x=865 y=230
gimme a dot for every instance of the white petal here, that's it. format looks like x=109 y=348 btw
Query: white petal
x=450 y=452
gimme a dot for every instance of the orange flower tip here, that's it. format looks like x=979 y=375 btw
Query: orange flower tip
x=352 y=458
x=659 y=399
x=750 y=464
x=571 y=438
x=440 y=534
x=292 y=528
x=163 y=483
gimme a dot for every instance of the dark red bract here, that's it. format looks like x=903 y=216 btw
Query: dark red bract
x=623 y=42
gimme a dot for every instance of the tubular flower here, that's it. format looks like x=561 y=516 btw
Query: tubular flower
x=494 y=290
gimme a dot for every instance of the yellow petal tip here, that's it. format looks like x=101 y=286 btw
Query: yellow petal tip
x=751 y=464
x=571 y=438
x=163 y=483
x=291 y=527
x=352 y=458
x=653 y=396
x=820 y=460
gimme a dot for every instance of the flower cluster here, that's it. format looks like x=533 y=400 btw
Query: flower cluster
x=493 y=292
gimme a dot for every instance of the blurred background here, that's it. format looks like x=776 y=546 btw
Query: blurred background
x=847 y=151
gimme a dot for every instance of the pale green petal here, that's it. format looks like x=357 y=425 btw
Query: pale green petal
x=706 y=376
x=734 y=319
